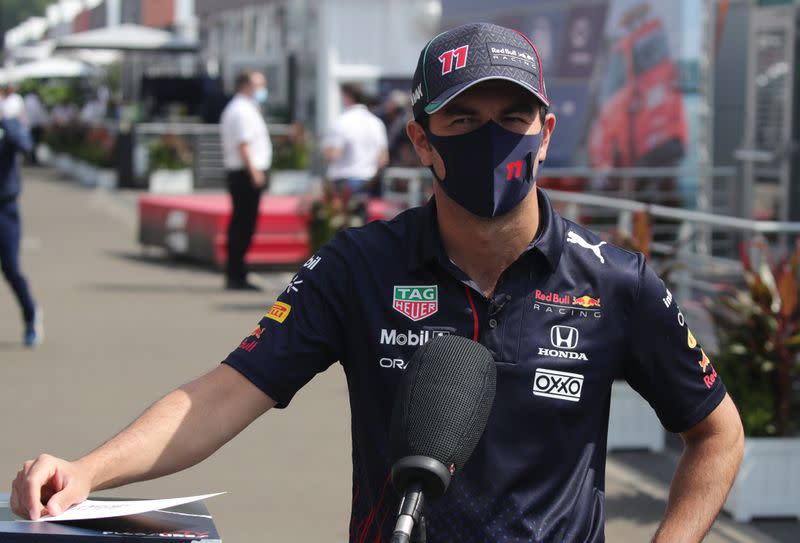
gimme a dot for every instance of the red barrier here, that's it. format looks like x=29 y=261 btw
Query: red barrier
x=196 y=226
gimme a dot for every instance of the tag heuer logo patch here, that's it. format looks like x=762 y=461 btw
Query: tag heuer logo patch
x=416 y=302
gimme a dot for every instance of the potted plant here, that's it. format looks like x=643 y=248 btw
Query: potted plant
x=100 y=152
x=758 y=325
x=170 y=163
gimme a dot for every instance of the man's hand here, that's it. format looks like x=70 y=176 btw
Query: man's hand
x=258 y=178
x=48 y=485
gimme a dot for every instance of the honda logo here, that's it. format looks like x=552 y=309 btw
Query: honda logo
x=564 y=337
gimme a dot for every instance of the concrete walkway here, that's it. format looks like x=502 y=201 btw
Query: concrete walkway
x=123 y=328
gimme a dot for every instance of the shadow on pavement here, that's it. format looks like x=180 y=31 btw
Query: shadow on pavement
x=144 y=288
x=241 y=308
x=636 y=507
x=164 y=260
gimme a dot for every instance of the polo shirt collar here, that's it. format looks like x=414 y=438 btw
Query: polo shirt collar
x=426 y=242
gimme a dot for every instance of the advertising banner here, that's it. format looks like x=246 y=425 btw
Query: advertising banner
x=622 y=75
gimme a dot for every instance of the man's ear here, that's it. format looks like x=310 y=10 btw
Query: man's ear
x=548 y=127
x=419 y=139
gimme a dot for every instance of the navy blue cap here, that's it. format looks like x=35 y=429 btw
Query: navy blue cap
x=466 y=55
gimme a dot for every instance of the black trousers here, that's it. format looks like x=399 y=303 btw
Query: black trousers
x=10 y=233
x=245 y=198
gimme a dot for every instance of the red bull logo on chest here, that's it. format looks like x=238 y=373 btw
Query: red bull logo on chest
x=416 y=302
x=586 y=301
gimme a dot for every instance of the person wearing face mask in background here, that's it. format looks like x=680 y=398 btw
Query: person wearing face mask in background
x=247 y=156
x=488 y=258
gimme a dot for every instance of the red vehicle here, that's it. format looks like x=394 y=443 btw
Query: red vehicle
x=641 y=120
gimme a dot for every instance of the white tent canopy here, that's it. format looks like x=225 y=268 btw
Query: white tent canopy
x=127 y=37
x=46 y=68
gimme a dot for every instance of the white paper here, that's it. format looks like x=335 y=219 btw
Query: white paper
x=90 y=509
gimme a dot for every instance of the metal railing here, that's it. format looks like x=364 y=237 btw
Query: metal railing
x=204 y=142
x=693 y=230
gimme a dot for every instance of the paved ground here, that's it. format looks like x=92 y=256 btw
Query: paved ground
x=123 y=329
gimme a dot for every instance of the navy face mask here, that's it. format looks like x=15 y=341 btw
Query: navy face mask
x=488 y=171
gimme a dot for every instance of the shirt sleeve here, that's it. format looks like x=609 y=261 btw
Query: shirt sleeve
x=301 y=334
x=669 y=367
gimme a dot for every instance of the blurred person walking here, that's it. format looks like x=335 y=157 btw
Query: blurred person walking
x=37 y=120
x=247 y=154
x=15 y=138
x=356 y=147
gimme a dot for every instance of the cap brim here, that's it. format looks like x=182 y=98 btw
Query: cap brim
x=443 y=99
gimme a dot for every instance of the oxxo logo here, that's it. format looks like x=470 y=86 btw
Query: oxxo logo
x=410 y=337
x=560 y=385
x=392 y=363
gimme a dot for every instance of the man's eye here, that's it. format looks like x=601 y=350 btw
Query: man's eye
x=461 y=120
x=517 y=119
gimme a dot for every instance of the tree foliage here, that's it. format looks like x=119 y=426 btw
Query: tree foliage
x=13 y=12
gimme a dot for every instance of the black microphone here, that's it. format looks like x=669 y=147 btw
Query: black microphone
x=440 y=412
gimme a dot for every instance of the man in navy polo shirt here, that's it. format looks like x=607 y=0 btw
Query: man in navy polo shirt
x=563 y=313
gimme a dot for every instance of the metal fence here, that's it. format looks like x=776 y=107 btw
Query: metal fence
x=203 y=140
x=705 y=244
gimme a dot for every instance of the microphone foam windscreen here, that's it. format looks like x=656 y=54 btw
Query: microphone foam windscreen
x=444 y=400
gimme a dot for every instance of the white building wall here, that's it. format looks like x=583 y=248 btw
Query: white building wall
x=332 y=41
x=368 y=40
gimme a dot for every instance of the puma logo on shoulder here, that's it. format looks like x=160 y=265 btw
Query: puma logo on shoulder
x=572 y=237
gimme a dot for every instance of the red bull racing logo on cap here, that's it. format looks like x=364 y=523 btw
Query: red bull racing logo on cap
x=416 y=302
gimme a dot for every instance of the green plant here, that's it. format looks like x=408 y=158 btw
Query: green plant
x=759 y=330
x=293 y=151
x=170 y=152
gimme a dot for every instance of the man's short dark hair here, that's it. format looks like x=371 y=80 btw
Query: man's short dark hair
x=356 y=92
x=244 y=79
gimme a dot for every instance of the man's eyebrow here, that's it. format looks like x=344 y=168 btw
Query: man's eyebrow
x=521 y=106
x=458 y=109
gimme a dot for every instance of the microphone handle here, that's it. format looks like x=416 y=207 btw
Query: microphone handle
x=409 y=515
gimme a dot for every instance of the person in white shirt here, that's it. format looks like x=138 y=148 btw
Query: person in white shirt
x=247 y=155
x=357 y=145
x=13 y=106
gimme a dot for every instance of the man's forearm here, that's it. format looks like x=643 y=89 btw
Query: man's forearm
x=178 y=431
x=702 y=480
